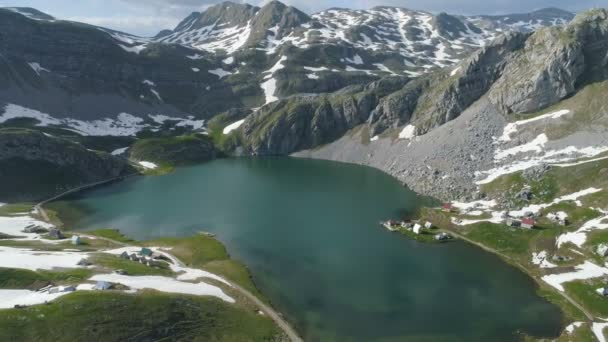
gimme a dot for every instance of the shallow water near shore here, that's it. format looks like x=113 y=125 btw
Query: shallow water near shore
x=308 y=230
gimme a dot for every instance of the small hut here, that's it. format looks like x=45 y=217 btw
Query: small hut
x=528 y=223
x=84 y=262
x=75 y=240
x=145 y=252
x=602 y=250
x=102 y=286
x=55 y=233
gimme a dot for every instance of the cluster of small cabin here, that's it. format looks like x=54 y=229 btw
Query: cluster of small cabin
x=409 y=225
x=145 y=256
x=53 y=233
x=416 y=228
x=528 y=221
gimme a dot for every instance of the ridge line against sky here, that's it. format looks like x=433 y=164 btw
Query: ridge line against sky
x=148 y=17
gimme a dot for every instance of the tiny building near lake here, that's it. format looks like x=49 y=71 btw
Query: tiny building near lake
x=528 y=223
x=145 y=252
x=602 y=250
x=102 y=286
x=75 y=240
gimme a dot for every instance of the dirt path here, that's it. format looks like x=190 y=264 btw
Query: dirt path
x=589 y=316
x=267 y=310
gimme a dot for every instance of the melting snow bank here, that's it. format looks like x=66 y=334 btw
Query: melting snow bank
x=540 y=259
x=120 y=151
x=270 y=84
x=38 y=260
x=148 y=165
x=570 y=328
x=587 y=270
x=408 y=132
x=498 y=216
x=579 y=237
x=10 y=298
x=598 y=331
x=551 y=157
x=165 y=284
x=221 y=73
x=233 y=126
x=511 y=128
x=14 y=226
x=125 y=124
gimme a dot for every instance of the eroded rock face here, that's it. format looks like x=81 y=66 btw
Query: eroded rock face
x=307 y=121
x=545 y=71
x=32 y=157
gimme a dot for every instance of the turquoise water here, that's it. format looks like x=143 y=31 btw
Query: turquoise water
x=308 y=230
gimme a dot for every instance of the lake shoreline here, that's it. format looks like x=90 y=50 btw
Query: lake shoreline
x=502 y=259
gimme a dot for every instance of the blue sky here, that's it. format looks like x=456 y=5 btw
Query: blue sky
x=147 y=17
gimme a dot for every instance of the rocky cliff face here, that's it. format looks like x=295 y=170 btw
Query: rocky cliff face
x=305 y=122
x=34 y=165
x=454 y=118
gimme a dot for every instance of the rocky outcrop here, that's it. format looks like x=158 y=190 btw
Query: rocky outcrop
x=174 y=151
x=307 y=121
x=545 y=71
x=35 y=165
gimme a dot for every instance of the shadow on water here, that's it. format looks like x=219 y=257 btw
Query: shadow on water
x=308 y=230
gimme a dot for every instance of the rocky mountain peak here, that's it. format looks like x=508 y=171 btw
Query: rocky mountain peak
x=448 y=25
x=276 y=18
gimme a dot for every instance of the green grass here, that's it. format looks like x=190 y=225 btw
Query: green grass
x=10 y=209
x=134 y=268
x=509 y=241
x=544 y=190
x=205 y=252
x=168 y=152
x=148 y=316
x=26 y=279
x=584 y=293
x=112 y=234
x=558 y=181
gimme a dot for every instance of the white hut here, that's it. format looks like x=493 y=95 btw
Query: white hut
x=417 y=229
x=602 y=249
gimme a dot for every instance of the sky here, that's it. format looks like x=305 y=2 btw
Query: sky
x=148 y=17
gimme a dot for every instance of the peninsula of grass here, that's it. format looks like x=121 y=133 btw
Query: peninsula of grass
x=206 y=252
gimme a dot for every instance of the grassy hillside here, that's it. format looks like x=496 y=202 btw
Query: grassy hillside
x=149 y=316
x=174 y=151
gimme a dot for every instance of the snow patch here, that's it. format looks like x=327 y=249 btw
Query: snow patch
x=540 y=259
x=233 y=126
x=511 y=128
x=119 y=151
x=148 y=165
x=221 y=73
x=38 y=260
x=10 y=298
x=587 y=270
x=165 y=284
x=37 y=68
x=408 y=132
